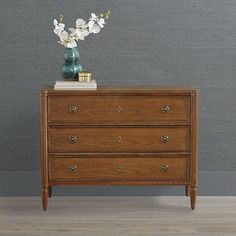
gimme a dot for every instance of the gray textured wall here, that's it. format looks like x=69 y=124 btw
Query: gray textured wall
x=146 y=42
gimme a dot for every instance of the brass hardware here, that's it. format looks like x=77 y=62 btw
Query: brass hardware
x=72 y=109
x=164 y=168
x=119 y=139
x=119 y=109
x=164 y=138
x=72 y=139
x=72 y=168
x=84 y=76
x=119 y=168
x=165 y=108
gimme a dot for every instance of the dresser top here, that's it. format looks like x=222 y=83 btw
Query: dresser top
x=123 y=90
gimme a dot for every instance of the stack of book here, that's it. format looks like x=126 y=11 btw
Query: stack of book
x=75 y=85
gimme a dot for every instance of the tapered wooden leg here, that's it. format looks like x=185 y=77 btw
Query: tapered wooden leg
x=193 y=192
x=49 y=191
x=44 y=196
x=187 y=191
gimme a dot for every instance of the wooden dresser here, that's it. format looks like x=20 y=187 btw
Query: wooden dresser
x=119 y=136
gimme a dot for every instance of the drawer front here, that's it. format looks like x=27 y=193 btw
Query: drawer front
x=117 y=169
x=118 y=139
x=121 y=110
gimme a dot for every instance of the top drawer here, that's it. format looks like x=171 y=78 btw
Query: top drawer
x=119 y=109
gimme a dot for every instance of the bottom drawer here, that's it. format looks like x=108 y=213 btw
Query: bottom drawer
x=117 y=168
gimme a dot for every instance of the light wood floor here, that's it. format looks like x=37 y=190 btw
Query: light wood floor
x=113 y=216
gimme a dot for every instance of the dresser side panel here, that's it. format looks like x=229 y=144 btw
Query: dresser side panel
x=194 y=140
x=43 y=141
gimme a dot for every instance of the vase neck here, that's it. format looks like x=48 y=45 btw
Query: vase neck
x=71 y=55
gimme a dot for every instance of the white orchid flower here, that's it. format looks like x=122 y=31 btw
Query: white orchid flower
x=63 y=35
x=55 y=22
x=73 y=32
x=95 y=24
x=101 y=22
x=81 y=33
x=77 y=34
x=80 y=23
x=58 y=27
x=93 y=27
x=66 y=40
x=83 y=29
x=71 y=44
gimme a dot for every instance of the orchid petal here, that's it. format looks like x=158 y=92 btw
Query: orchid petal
x=100 y=23
x=71 y=44
x=79 y=22
x=61 y=25
x=85 y=33
x=93 y=15
x=96 y=29
x=90 y=25
x=71 y=29
x=64 y=33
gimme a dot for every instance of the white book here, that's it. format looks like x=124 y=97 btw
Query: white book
x=75 y=85
x=73 y=81
x=73 y=88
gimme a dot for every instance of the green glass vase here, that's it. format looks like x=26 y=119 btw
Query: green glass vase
x=71 y=67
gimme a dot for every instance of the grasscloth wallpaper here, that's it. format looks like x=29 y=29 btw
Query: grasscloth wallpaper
x=146 y=42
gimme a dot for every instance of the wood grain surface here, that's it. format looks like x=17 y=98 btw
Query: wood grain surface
x=119 y=109
x=117 y=169
x=118 y=139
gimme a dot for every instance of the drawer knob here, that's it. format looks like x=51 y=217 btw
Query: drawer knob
x=164 y=138
x=72 y=168
x=164 y=168
x=119 y=139
x=119 y=109
x=165 y=108
x=72 y=139
x=72 y=109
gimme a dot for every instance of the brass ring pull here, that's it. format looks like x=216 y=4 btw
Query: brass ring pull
x=72 y=139
x=72 y=109
x=165 y=108
x=164 y=168
x=119 y=109
x=164 y=138
x=72 y=168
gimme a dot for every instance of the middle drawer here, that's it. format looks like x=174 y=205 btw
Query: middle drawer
x=118 y=139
